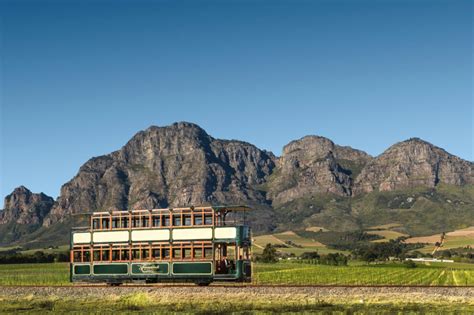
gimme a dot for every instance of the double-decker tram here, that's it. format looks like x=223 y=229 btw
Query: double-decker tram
x=196 y=244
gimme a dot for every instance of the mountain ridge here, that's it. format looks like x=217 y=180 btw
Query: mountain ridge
x=181 y=164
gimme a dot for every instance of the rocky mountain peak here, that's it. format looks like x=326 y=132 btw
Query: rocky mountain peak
x=412 y=163
x=308 y=148
x=24 y=207
x=180 y=138
x=312 y=165
x=415 y=147
x=317 y=147
x=20 y=191
x=176 y=165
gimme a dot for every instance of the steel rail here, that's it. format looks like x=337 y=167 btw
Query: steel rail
x=233 y=286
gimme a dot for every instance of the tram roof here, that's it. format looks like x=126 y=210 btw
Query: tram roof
x=232 y=208
x=215 y=208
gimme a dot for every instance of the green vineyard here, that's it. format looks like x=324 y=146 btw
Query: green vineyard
x=35 y=274
x=284 y=273
x=307 y=274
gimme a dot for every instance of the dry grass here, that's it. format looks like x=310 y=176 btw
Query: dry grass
x=454 y=239
x=266 y=239
x=463 y=232
x=291 y=236
x=302 y=244
x=424 y=239
x=316 y=229
x=243 y=300
x=466 y=234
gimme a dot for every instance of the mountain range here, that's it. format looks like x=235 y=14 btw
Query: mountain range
x=314 y=182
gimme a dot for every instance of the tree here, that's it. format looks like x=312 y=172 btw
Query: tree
x=383 y=251
x=269 y=254
x=310 y=255
x=334 y=259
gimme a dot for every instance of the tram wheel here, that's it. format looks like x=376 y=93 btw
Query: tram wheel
x=114 y=284
x=203 y=284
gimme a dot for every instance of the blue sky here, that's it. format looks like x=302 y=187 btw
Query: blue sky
x=80 y=78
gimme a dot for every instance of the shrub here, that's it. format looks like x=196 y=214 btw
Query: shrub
x=334 y=259
x=310 y=255
x=409 y=263
x=37 y=257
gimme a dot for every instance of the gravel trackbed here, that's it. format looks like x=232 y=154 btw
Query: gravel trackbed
x=406 y=294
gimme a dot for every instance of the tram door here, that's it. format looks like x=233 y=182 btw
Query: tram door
x=225 y=256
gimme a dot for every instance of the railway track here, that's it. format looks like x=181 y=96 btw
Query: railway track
x=149 y=286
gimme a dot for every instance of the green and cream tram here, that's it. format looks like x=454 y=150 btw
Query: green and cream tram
x=196 y=244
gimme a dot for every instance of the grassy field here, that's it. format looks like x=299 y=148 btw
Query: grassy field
x=284 y=273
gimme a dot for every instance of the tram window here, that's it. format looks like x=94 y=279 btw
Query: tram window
x=165 y=253
x=197 y=253
x=125 y=254
x=105 y=254
x=166 y=220
x=198 y=219
x=96 y=255
x=230 y=252
x=115 y=223
x=105 y=223
x=87 y=255
x=124 y=222
x=96 y=224
x=186 y=252
x=156 y=220
x=187 y=219
x=177 y=220
x=135 y=254
x=145 y=221
x=246 y=253
x=77 y=256
x=208 y=219
x=135 y=221
x=115 y=254
x=145 y=253
x=176 y=252
x=155 y=253
x=207 y=252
